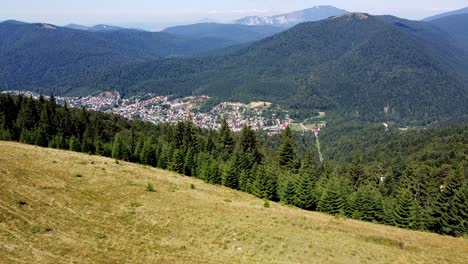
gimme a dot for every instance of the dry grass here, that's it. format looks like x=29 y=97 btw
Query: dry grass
x=64 y=207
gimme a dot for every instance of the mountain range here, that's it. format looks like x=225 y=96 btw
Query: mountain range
x=290 y=19
x=372 y=68
x=451 y=13
x=235 y=33
x=456 y=26
x=100 y=27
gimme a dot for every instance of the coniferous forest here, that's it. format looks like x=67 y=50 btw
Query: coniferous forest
x=415 y=179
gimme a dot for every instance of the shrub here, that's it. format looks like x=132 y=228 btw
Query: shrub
x=149 y=187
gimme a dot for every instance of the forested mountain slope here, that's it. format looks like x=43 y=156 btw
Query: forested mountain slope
x=235 y=33
x=291 y=19
x=456 y=25
x=451 y=13
x=37 y=56
x=361 y=66
x=357 y=64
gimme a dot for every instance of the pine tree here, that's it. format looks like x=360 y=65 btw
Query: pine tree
x=148 y=153
x=189 y=163
x=333 y=199
x=44 y=131
x=165 y=157
x=179 y=135
x=366 y=204
x=28 y=115
x=188 y=135
x=357 y=173
x=177 y=162
x=440 y=208
x=305 y=197
x=402 y=209
x=247 y=153
x=418 y=217
x=139 y=149
x=119 y=150
x=457 y=214
x=265 y=183
x=286 y=150
x=231 y=177
x=214 y=174
x=75 y=144
x=289 y=193
x=225 y=140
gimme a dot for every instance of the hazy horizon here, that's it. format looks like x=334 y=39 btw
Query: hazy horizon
x=159 y=14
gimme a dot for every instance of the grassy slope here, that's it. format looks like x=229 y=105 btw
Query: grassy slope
x=106 y=216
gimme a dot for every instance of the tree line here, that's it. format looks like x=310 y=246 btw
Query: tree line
x=430 y=195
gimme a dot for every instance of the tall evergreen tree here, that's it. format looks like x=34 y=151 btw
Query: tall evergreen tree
x=305 y=197
x=231 y=177
x=265 y=183
x=289 y=193
x=178 y=161
x=148 y=153
x=225 y=140
x=402 y=208
x=333 y=199
x=190 y=166
x=286 y=150
x=120 y=150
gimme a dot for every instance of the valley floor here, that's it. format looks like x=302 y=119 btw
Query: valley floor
x=65 y=207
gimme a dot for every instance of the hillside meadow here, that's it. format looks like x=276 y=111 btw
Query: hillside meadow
x=65 y=207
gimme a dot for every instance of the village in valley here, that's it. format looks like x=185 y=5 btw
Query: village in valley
x=166 y=109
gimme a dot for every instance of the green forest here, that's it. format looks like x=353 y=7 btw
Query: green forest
x=415 y=179
x=377 y=69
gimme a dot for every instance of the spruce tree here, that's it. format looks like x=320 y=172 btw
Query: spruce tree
x=289 y=193
x=231 y=177
x=442 y=205
x=454 y=220
x=305 y=197
x=43 y=131
x=165 y=157
x=214 y=173
x=333 y=199
x=402 y=209
x=177 y=162
x=189 y=163
x=247 y=153
x=120 y=151
x=225 y=140
x=148 y=153
x=286 y=150
x=179 y=133
x=265 y=183
x=418 y=219
x=366 y=204
x=75 y=144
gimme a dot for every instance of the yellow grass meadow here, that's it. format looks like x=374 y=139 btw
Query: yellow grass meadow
x=64 y=207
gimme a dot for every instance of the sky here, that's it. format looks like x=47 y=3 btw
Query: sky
x=170 y=12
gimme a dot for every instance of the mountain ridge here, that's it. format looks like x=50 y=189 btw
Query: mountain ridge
x=293 y=18
x=455 y=12
x=236 y=33
x=321 y=65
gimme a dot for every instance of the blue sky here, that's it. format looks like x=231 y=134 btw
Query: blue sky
x=182 y=11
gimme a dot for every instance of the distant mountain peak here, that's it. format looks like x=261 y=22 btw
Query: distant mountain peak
x=290 y=19
x=356 y=15
x=13 y=22
x=47 y=26
x=455 y=12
